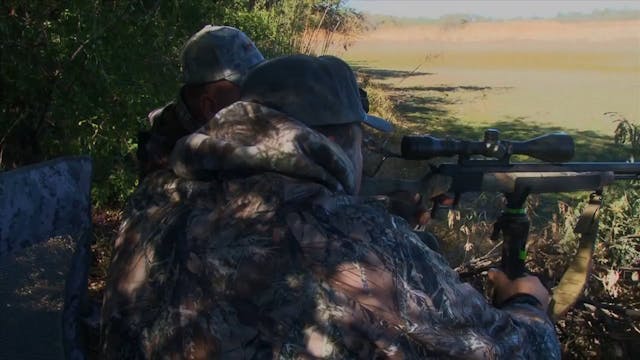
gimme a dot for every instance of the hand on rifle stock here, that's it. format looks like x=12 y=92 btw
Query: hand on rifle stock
x=408 y=206
x=416 y=207
x=505 y=288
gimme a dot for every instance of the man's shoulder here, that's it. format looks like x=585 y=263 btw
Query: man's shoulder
x=162 y=115
x=344 y=213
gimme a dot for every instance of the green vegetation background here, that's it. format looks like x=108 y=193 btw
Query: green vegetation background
x=79 y=77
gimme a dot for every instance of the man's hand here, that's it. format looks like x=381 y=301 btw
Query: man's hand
x=504 y=288
x=415 y=205
x=410 y=207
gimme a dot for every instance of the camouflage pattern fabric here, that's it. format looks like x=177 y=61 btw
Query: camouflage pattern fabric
x=45 y=238
x=249 y=137
x=168 y=124
x=258 y=249
x=218 y=52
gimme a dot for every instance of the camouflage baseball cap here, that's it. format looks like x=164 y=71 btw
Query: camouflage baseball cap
x=317 y=91
x=216 y=53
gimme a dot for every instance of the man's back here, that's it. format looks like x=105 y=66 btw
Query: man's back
x=272 y=259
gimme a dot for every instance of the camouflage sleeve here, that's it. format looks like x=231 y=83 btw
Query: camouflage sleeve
x=156 y=144
x=527 y=310
x=409 y=299
x=189 y=159
x=153 y=152
x=465 y=324
x=473 y=328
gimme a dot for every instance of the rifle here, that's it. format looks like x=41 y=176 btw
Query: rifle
x=494 y=172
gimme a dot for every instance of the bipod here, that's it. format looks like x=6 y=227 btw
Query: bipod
x=514 y=225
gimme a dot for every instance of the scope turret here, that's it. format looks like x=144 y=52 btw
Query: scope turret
x=554 y=147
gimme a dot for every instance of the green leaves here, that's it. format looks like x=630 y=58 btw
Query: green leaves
x=626 y=132
x=620 y=226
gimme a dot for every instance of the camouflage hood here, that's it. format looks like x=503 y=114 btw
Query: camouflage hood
x=248 y=138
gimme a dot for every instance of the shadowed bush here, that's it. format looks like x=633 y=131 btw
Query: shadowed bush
x=79 y=77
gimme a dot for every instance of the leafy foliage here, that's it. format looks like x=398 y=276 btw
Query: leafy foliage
x=620 y=227
x=626 y=132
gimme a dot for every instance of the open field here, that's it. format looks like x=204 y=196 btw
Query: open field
x=545 y=75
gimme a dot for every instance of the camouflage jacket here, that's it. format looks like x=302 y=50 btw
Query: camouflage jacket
x=258 y=250
x=168 y=124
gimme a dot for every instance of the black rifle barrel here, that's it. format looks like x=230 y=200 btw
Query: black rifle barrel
x=554 y=147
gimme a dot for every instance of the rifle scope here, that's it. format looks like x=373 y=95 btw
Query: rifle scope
x=554 y=147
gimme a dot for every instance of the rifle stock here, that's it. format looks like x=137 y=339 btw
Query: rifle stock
x=538 y=178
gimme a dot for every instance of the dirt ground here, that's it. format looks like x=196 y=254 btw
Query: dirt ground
x=551 y=73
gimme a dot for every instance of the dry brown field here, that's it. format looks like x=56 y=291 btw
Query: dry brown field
x=565 y=74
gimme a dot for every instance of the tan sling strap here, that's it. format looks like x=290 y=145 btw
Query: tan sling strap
x=572 y=283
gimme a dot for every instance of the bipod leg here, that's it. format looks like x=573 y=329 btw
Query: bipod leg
x=514 y=224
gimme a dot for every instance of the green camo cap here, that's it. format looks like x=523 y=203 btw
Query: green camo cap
x=218 y=53
x=317 y=91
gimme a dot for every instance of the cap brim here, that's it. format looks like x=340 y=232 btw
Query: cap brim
x=238 y=78
x=235 y=78
x=378 y=123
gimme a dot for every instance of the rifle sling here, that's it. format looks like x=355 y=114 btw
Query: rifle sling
x=573 y=282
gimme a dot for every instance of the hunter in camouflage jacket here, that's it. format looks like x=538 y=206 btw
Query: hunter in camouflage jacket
x=256 y=247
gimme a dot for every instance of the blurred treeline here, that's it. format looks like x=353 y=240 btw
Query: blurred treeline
x=79 y=77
